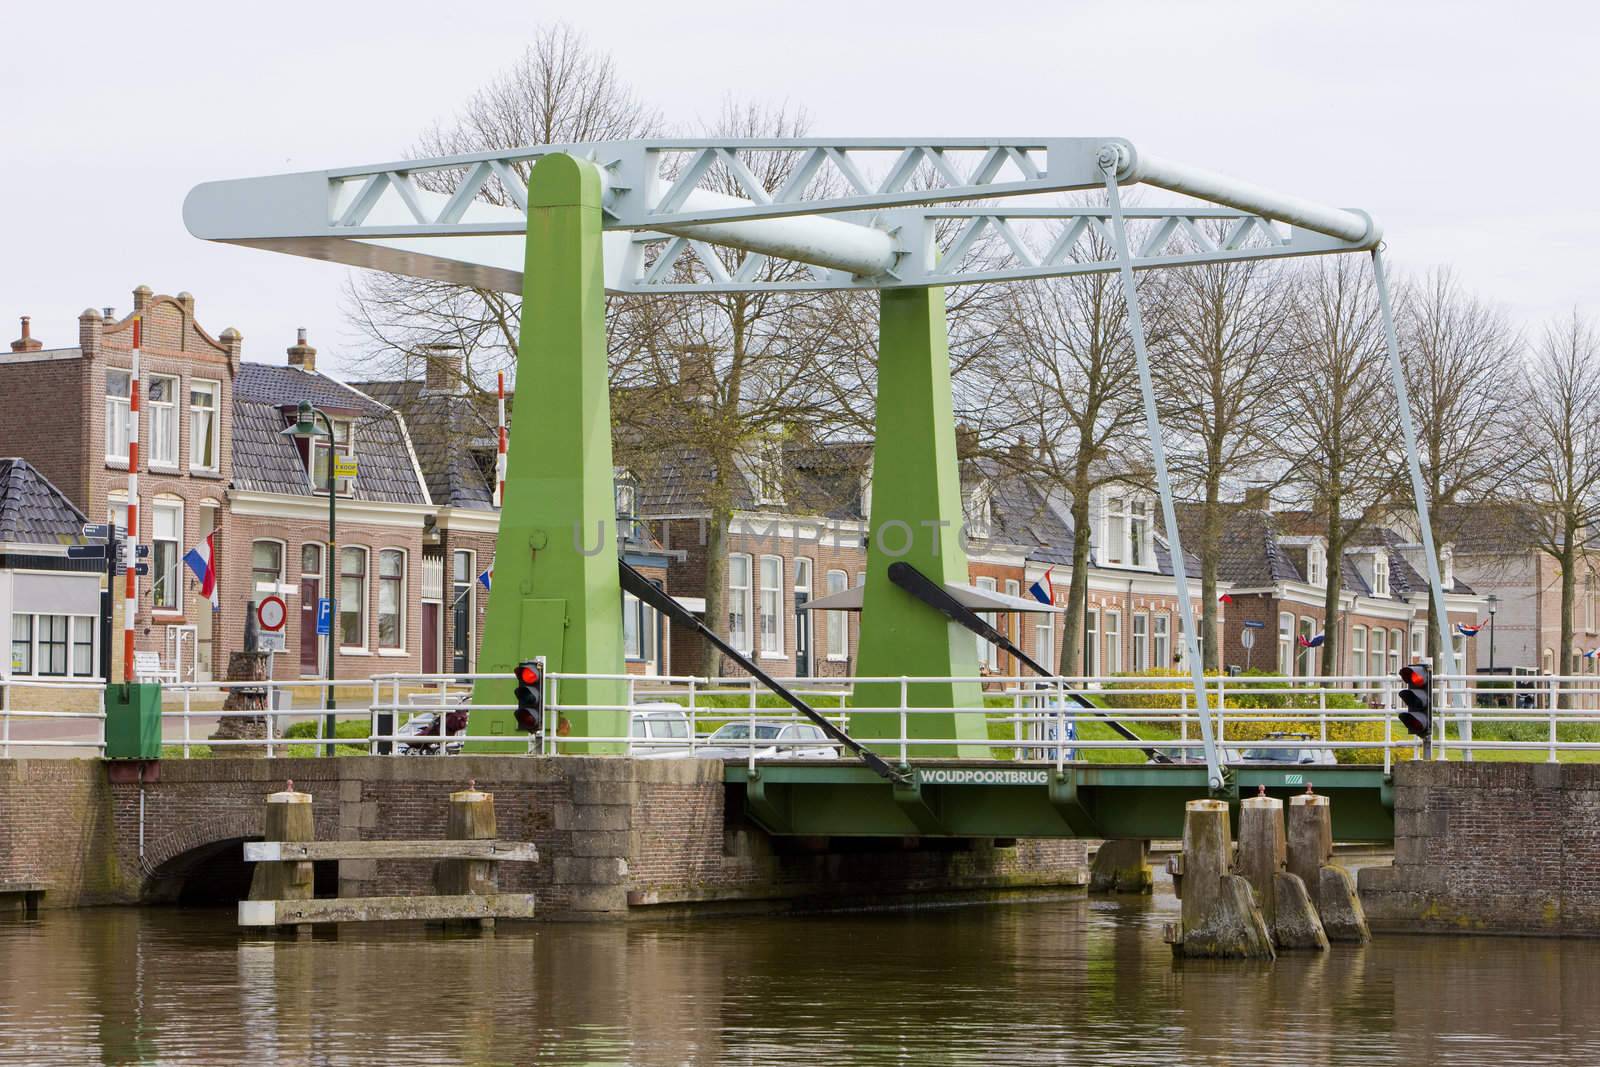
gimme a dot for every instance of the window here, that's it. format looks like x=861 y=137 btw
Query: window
x=1013 y=628
x=344 y=441
x=838 y=636
x=1141 y=642
x=1285 y=644
x=771 y=620
x=1113 y=642
x=163 y=394
x=266 y=566
x=311 y=560
x=1317 y=564
x=1308 y=656
x=22 y=644
x=1548 y=661
x=1380 y=574
x=166 y=540
x=1091 y=644
x=463 y=609
x=1358 y=650
x=119 y=386
x=1044 y=640
x=391 y=599
x=1447 y=567
x=739 y=602
x=1377 y=652
x=203 y=424
x=117 y=512
x=1588 y=602
x=353 y=598
x=1127 y=531
x=82 y=646
x=1395 y=639
x=988 y=655
x=1418 y=643
x=1161 y=642
x=52 y=653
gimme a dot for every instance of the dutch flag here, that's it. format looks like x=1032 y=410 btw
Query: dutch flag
x=202 y=559
x=486 y=578
x=1042 y=590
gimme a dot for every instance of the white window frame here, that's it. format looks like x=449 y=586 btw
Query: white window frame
x=988 y=654
x=838 y=649
x=1161 y=641
x=1419 y=643
x=213 y=389
x=317 y=479
x=1377 y=653
x=276 y=585
x=363 y=614
x=740 y=606
x=471 y=595
x=1358 y=650
x=117 y=410
x=174 y=575
x=164 y=413
x=1044 y=641
x=1111 y=623
x=71 y=644
x=1396 y=641
x=1127 y=539
x=1316 y=564
x=1307 y=666
x=1380 y=574
x=400 y=648
x=1141 y=641
x=1091 y=643
x=1286 y=645
x=769 y=606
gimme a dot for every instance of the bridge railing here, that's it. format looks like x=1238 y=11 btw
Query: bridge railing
x=52 y=716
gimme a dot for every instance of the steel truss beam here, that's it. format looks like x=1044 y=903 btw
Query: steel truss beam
x=853 y=211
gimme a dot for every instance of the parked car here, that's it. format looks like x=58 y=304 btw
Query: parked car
x=1270 y=753
x=658 y=727
x=772 y=740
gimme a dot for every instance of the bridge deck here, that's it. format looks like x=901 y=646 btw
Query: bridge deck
x=980 y=798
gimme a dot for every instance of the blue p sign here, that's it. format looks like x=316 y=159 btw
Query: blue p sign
x=324 y=615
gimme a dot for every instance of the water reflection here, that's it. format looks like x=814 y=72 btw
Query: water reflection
x=1043 y=983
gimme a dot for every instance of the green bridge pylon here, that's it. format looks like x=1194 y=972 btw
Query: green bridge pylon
x=555 y=591
x=916 y=516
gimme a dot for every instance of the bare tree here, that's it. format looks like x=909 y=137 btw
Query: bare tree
x=1217 y=361
x=561 y=90
x=1337 y=443
x=1461 y=360
x=1069 y=378
x=1560 y=420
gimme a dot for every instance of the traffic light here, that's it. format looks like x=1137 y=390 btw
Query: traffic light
x=530 y=696
x=1417 y=696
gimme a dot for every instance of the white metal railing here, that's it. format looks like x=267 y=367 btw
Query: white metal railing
x=1026 y=718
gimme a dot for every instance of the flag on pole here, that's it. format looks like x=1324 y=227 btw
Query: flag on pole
x=486 y=578
x=1591 y=653
x=1470 y=631
x=1225 y=598
x=202 y=559
x=1042 y=590
x=1312 y=642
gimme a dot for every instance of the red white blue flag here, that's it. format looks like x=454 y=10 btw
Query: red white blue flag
x=202 y=559
x=1042 y=590
x=1312 y=642
x=1470 y=631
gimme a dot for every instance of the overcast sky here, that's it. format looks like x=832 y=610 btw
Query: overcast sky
x=1467 y=128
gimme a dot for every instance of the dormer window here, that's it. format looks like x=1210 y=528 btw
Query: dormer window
x=344 y=437
x=769 y=474
x=1380 y=574
x=978 y=511
x=1447 y=566
x=1316 y=564
x=1126 y=540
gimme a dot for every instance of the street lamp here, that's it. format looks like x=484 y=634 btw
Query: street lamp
x=1494 y=604
x=305 y=429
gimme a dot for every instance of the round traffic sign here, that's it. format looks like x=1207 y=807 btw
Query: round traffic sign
x=1247 y=639
x=272 y=613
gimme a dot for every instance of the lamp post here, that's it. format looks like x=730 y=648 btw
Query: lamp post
x=1494 y=604
x=305 y=428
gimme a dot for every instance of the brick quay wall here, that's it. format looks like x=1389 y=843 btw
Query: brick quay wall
x=616 y=837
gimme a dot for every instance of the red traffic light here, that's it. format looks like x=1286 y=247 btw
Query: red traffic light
x=1414 y=675
x=527 y=674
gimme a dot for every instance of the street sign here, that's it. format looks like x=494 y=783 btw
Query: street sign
x=272 y=641
x=1247 y=639
x=324 y=616
x=143 y=551
x=1254 y=624
x=142 y=568
x=272 y=613
x=86 y=551
x=97 y=530
x=344 y=466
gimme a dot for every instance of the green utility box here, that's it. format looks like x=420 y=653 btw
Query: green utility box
x=133 y=721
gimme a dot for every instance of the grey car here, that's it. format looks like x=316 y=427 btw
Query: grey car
x=772 y=740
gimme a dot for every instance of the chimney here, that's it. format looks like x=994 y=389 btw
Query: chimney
x=441 y=368
x=141 y=298
x=697 y=373
x=108 y=314
x=301 y=354
x=27 y=342
x=1258 y=498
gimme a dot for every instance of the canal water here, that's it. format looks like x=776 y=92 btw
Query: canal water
x=1075 y=981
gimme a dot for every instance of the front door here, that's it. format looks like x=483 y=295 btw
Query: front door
x=430 y=637
x=802 y=635
x=461 y=633
x=310 y=643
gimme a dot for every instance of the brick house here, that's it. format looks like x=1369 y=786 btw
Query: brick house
x=1274 y=567
x=49 y=604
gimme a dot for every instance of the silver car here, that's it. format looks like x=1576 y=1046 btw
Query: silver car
x=771 y=740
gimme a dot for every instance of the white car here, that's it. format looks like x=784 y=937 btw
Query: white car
x=658 y=728
x=772 y=740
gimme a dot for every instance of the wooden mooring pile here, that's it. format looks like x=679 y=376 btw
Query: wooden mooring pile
x=282 y=887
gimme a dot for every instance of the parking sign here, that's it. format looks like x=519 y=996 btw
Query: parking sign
x=324 y=616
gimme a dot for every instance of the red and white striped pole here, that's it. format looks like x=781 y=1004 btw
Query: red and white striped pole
x=130 y=603
x=500 y=455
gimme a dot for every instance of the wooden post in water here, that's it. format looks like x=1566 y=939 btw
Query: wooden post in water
x=1311 y=857
x=288 y=818
x=1219 y=915
x=471 y=818
x=1282 y=897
